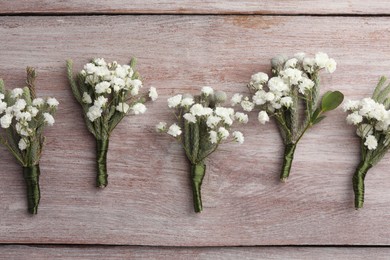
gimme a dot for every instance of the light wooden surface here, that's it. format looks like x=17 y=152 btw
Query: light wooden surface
x=17 y=252
x=358 y=7
x=148 y=200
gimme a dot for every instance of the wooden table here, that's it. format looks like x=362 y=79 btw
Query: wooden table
x=146 y=211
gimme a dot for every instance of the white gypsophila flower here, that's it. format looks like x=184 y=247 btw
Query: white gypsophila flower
x=186 y=102
x=87 y=98
x=213 y=121
x=120 y=71
x=38 y=102
x=199 y=110
x=94 y=113
x=207 y=91
x=258 y=79
x=49 y=119
x=213 y=136
x=16 y=92
x=277 y=85
x=351 y=105
x=3 y=107
x=22 y=144
x=276 y=105
x=309 y=64
x=259 y=98
x=321 y=59
x=238 y=137
x=286 y=102
x=92 y=79
x=263 y=117
x=102 y=72
x=190 y=117
x=330 y=66
x=6 y=120
x=53 y=102
x=354 y=118
x=241 y=117
x=371 y=142
x=136 y=83
x=269 y=96
x=153 y=93
x=226 y=114
x=103 y=87
x=305 y=84
x=236 y=99
x=174 y=130
x=23 y=116
x=122 y=107
x=90 y=68
x=291 y=63
x=223 y=133
x=364 y=130
x=33 y=110
x=174 y=101
x=117 y=84
x=138 y=108
x=100 y=101
x=20 y=104
x=247 y=105
x=134 y=90
x=1 y=96
x=99 y=62
x=161 y=127
x=292 y=75
x=299 y=56
x=23 y=129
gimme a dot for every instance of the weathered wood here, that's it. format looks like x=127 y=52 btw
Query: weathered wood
x=21 y=252
x=148 y=200
x=195 y=7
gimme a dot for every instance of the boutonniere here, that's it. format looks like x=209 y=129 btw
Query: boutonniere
x=23 y=119
x=107 y=92
x=202 y=125
x=292 y=97
x=371 y=116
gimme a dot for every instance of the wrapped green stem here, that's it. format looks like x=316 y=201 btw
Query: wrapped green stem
x=31 y=176
x=101 y=159
x=197 y=174
x=358 y=183
x=287 y=161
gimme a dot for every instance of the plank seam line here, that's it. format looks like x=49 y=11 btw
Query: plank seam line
x=184 y=247
x=38 y=14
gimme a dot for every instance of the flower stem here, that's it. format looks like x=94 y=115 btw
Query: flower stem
x=287 y=161
x=31 y=176
x=358 y=182
x=197 y=174
x=101 y=152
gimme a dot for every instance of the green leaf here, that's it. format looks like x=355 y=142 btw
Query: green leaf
x=318 y=119
x=73 y=85
x=133 y=63
x=331 y=100
x=27 y=95
x=1 y=86
x=383 y=94
x=378 y=88
x=316 y=113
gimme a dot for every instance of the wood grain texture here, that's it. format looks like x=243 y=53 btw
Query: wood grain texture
x=148 y=200
x=18 y=252
x=195 y=7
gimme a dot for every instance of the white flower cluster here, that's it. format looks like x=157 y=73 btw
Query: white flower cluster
x=111 y=84
x=290 y=73
x=371 y=119
x=25 y=116
x=218 y=119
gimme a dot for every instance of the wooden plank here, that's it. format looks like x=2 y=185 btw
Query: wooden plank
x=20 y=252
x=148 y=200
x=195 y=7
